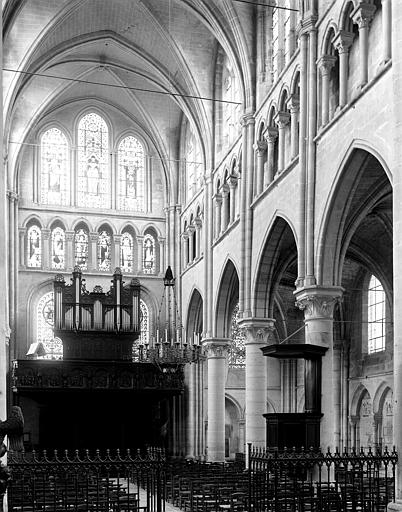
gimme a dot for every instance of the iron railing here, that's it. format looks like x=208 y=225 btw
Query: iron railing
x=91 y=482
x=308 y=481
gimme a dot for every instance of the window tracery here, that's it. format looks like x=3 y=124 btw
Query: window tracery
x=131 y=170
x=81 y=248
x=58 y=248
x=34 y=247
x=93 y=162
x=126 y=252
x=45 y=324
x=144 y=323
x=148 y=266
x=54 y=170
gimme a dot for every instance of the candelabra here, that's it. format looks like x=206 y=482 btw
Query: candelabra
x=170 y=345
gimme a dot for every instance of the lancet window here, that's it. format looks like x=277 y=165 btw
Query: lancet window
x=104 y=250
x=81 y=248
x=237 y=354
x=58 y=248
x=376 y=316
x=34 y=247
x=54 y=170
x=131 y=171
x=148 y=266
x=126 y=252
x=45 y=324
x=93 y=162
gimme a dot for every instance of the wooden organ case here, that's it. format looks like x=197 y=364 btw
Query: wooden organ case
x=97 y=325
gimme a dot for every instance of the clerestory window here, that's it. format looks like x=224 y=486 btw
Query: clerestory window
x=376 y=316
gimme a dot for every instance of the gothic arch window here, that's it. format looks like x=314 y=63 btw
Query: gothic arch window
x=149 y=254
x=375 y=316
x=34 y=246
x=54 y=167
x=127 y=252
x=44 y=327
x=81 y=247
x=93 y=162
x=104 y=249
x=58 y=248
x=131 y=175
x=230 y=94
x=237 y=354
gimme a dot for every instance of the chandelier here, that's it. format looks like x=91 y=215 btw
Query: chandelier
x=170 y=344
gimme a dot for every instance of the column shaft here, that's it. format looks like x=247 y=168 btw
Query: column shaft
x=386 y=30
x=271 y=135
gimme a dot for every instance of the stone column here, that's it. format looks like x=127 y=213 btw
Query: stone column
x=69 y=251
x=45 y=249
x=270 y=134
x=198 y=237
x=260 y=148
x=116 y=252
x=282 y=120
x=225 y=207
x=190 y=231
x=259 y=332
x=362 y=15
x=140 y=243
x=191 y=373
x=396 y=130
x=386 y=30
x=184 y=238
x=22 y=234
x=232 y=185
x=294 y=108
x=325 y=64
x=342 y=42
x=93 y=251
x=217 y=351
x=318 y=305
x=218 y=208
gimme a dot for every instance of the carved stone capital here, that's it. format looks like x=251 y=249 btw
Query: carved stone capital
x=326 y=63
x=258 y=331
x=282 y=119
x=12 y=196
x=343 y=41
x=217 y=198
x=93 y=236
x=116 y=239
x=216 y=348
x=69 y=235
x=293 y=103
x=363 y=14
x=184 y=236
x=225 y=189
x=270 y=134
x=198 y=223
x=45 y=233
x=232 y=181
x=247 y=119
x=260 y=147
x=318 y=302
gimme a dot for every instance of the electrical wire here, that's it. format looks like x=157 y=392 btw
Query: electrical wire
x=266 y=5
x=116 y=86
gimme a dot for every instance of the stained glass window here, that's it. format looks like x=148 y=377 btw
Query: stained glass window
x=148 y=266
x=54 y=170
x=104 y=251
x=194 y=167
x=93 y=162
x=126 y=252
x=237 y=354
x=131 y=163
x=45 y=323
x=231 y=111
x=58 y=248
x=81 y=248
x=376 y=316
x=34 y=247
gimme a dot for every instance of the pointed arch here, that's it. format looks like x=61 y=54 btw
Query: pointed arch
x=194 y=322
x=227 y=298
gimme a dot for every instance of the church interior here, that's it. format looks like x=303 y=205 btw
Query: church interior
x=200 y=227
